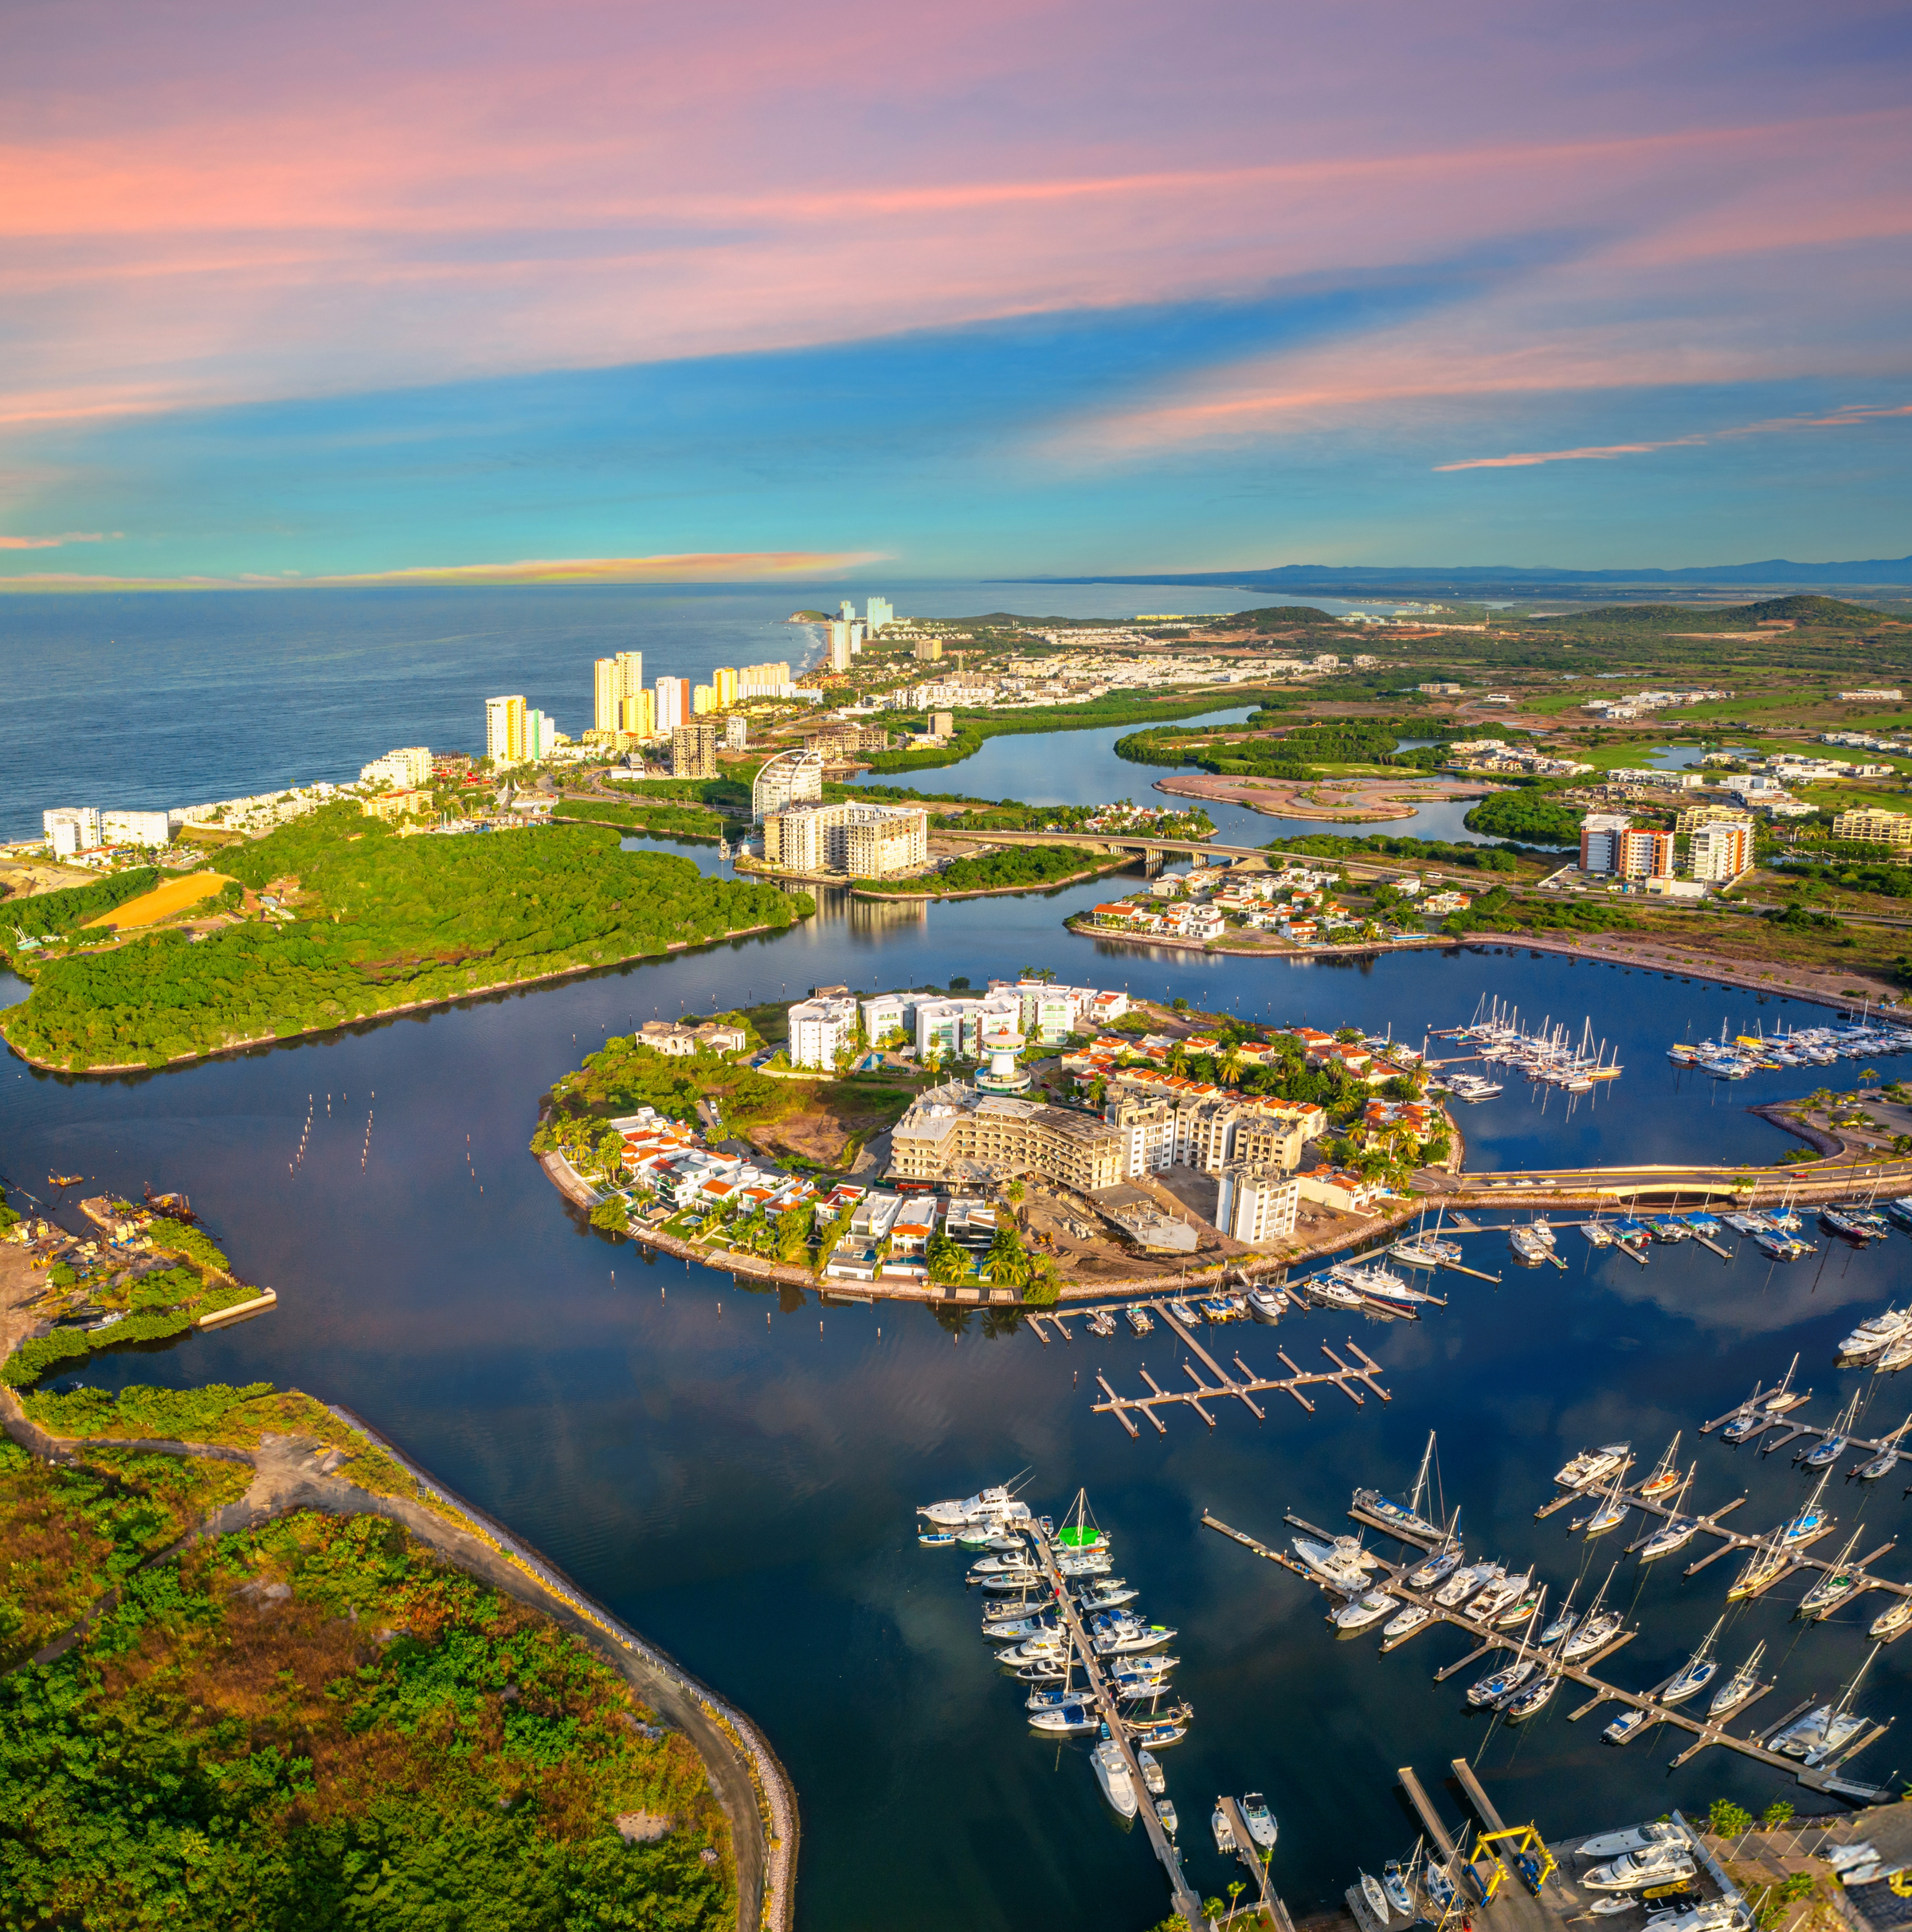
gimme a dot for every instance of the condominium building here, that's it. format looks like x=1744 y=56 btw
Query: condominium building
x=409 y=765
x=1870 y=827
x=618 y=691
x=789 y=777
x=703 y=698
x=736 y=734
x=927 y=650
x=726 y=686
x=1599 y=836
x=821 y=1029
x=1691 y=817
x=951 y=1130
x=764 y=680
x=1257 y=1206
x=867 y=841
x=70 y=829
x=1721 y=850
x=840 y=646
x=673 y=702
x=504 y=731
x=694 y=751
x=124 y=828
x=877 y=612
x=1643 y=855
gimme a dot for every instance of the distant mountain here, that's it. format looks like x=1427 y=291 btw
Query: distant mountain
x=1360 y=580
x=1819 y=610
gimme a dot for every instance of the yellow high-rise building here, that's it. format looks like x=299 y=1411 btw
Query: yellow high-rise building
x=616 y=681
x=637 y=713
x=504 y=730
x=727 y=685
x=703 y=698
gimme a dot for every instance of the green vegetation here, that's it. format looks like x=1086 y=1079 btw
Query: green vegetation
x=1530 y=816
x=49 y=914
x=1277 y=617
x=1500 y=911
x=318 y=1724
x=678 y=822
x=388 y=921
x=1688 y=617
x=1379 y=846
x=974 y=728
x=1010 y=866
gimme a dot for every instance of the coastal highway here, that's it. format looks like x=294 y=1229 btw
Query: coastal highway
x=1817 y=1180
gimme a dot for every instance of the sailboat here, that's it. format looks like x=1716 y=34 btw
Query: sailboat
x=1610 y=1511
x=1524 y=1703
x=1811 y=1518
x=1832 y=1445
x=1500 y=1683
x=1439 y=1561
x=1888 y=1454
x=1770 y=1560
x=1739 y=1687
x=1700 y=1668
x=1405 y=1519
x=1665 y=1474
x=1785 y=1396
x=1563 y=1623
x=1080 y=1534
x=1829 y=1729
x=1839 y=1581
x=1677 y=1531
x=1597 y=1628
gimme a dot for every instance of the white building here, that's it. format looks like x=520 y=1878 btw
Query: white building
x=410 y=765
x=1601 y=834
x=840 y=644
x=1257 y=1206
x=821 y=1029
x=504 y=730
x=736 y=734
x=70 y=829
x=879 y=611
x=1721 y=850
x=137 y=827
x=789 y=777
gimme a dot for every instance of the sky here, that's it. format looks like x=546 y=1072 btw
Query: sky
x=744 y=291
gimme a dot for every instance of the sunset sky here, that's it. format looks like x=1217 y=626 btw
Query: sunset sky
x=784 y=290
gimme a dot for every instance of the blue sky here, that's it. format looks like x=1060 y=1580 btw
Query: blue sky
x=1037 y=289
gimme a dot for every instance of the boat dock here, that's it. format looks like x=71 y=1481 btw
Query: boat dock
x=1392 y=1578
x=1187 y=1906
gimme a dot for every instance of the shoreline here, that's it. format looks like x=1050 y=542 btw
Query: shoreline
x=859 y=889
x=1314 y=813
x=365 y=1019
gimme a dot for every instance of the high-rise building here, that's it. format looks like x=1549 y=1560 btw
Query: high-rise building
x=638 y=715
x=703 y=698
x=70 y=829
x=1640 y=854
x=727 y=685
x=1599 y=836
x=765 y=680
x=540 y=736
x=840 y=646
x=928 y=650
x=1257 y=1206
x=846 y=610
x=866 y=841
x=504 y=731
x=1721 y=849
x=736 y=734
x=694 y=751
x=855 y=640
x=617 y=680
x=410 y=765
x=789 y=777
x=673 y=702
x=879 y=611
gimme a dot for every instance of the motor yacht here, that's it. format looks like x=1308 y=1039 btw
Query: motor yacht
x=1637 y=1838
x=1260 y=1821
x=1072 y=1718
x=1021 y=1629
x=1466 y=1583
x=1657 y=1864
x=1122 y=1639
x=1623 y=1727
x=1364 y=1611
x=1488 y=1602
x=1413 y=1616
x=1739 y=1687
x=1700 y=1669
x=1342 y=1565
x=1709 y=1916
x=1529 y=1249
x=997 y=1501
x=1874 y=1335
x=1106 y=1593
x=1010 y=1562
x=1266 y=1304
x=1593 y=1466
x=1328 y=1291
x=1113 y=1774
x=1158 y=1733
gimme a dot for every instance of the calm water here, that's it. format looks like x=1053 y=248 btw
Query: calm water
x=735 y=1472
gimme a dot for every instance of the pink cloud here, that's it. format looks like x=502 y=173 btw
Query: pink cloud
x=1850 y=416
x=70 y=536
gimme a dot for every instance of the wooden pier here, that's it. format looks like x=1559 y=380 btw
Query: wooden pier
x=1392 y=1578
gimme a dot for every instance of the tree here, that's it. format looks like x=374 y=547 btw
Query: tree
x=1726 y=1820
x=1043 y=1287
x=1228 y=1066
x=1008 y=1261
x=612 y=1216
x=948 y=1263
x=793 y=1232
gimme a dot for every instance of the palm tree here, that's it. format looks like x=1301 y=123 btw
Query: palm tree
x=1228 y=1066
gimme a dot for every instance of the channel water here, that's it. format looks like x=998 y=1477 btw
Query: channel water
x=735 y=1472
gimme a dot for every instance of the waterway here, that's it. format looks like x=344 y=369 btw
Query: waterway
x=735 y=1472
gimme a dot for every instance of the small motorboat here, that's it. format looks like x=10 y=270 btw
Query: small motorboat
x=1165 y=1812
x=1414 y=1615
x=1139 y=1318
x=936 y=1539
x=1624 y=1726
x=1224 y=1831
x=1260 y=1820
x=1101 y=1323
x=1113 y=1774
x=1152 y=1780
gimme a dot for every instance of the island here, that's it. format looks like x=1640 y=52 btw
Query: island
x=334 y=1693
x=338 y=917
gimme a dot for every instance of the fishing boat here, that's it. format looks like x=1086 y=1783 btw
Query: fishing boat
x=1224 y=1831
x=1837 y=1583
x=937 y=1539
x=1165 y=1812
x=997 y=1501
x=1405 y=1519
x=1664 y=1475
x=1342 y=1565
x=1152 y=1778
x=1739 y=1687
x=1410 y=1618
x=1832 y=1445
x=1700 y=1669
x=1464 y=1583
x=1113 y=1774
x=1824 y=1733
x=1139 y=1318
x=1656 y=1864
x=1260 y=1821
x=1630 y=1720
x=1364 y=1611
x=1873 y=1336
x=1072 y=1719
x=1892 y=1621
x=1266 y=1304
x=1637 y=1838
x=1770 y=1561
x=1888 y=1456
x=1597 y=1628
x=1593 y=1466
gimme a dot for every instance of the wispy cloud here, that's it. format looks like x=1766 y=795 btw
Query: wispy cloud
x=66 y=536
x=1848 y=417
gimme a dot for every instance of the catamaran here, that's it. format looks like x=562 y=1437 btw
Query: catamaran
x=1822 y=1733
x=1405 y=1519
x=1739 y=1687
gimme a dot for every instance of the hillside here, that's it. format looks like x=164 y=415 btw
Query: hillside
x=1827 y=612
x=1274 y=617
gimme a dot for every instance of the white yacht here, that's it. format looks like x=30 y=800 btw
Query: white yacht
x=1465 y=1583
x=997 y=1501
x=1342 y=1565
x=1152 y=1778
x=1840 y=1581
x=1824 y=1733
x=1655 y=1864
x=1363 y=1613
x=1874 y=1335
x=1593 y=1466
x=1891 y=1621
x=1260 y=1820
x=1637 y=1838
x=1498 y=1595
x=1073 y=1719
x=1414 y=1615
x=1113 y=1774
x=1709 y=1916
x=1224 y=1831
